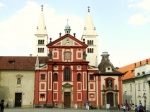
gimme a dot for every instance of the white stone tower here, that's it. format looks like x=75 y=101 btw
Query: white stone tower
x=90 y=38
x=41 y=37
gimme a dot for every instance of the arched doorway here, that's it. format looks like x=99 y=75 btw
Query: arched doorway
x=110 y=99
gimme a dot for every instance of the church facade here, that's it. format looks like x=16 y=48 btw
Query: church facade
x=71 y=76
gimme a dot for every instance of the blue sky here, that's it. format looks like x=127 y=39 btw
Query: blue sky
x=122 y=25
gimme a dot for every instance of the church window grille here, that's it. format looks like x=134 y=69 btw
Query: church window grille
x=67 y=74
x=40 y=42
x=40 y=50
x=90 y=42
x=55 y=77
x=90 y=50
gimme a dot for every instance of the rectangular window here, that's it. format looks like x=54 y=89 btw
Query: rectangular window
x=91 y=77
x=67 y=56
x=42 y=76
x=42 y=95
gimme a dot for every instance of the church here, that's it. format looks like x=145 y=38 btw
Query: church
x=65 y=73
x=72 y=75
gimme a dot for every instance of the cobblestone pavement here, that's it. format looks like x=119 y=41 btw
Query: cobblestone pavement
x=56 y=110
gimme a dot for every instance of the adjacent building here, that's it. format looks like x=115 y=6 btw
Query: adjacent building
x=17 y=75
x=136 y=83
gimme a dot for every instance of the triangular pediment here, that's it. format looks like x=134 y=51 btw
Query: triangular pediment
x=67 y=40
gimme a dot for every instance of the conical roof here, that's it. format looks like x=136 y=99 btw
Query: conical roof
x=41 y=28
x=89 y=28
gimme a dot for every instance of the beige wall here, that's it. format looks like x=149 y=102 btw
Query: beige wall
x=8 y=87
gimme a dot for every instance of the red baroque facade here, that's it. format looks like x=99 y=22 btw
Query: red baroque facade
x=66 y=79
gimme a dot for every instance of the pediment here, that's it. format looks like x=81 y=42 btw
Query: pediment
x=67 y=42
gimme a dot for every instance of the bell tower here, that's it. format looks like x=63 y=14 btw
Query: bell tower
x=41 y=37
x=90 y=38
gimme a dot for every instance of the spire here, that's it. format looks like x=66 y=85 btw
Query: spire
x=89 y=28
x=67 y=28
x=41 y=28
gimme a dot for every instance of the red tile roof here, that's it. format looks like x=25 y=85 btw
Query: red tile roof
x=19 y=62
x=129 y=69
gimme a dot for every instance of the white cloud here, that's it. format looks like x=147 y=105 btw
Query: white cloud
x=143 y=12
x=1 y=4
x=144 y=4
x=138 y=19
x=18 y=31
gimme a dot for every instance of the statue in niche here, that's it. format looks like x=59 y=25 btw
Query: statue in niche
x=109 y=83
x=50 y=54
x=84 y=55
x=116 y=86
x=103 y=87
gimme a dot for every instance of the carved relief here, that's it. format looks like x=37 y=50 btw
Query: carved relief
x=67 y=41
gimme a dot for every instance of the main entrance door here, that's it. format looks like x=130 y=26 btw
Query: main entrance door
x=67 y=99
x=110 y=99
x=18 y=99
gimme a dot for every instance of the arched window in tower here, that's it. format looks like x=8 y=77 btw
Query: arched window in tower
x=42 y=41
x=38 y=41
x=92 y=42
x=55 y=77
x=92 y=50
x=87 y=50
x=67 y=74
x=78 y=77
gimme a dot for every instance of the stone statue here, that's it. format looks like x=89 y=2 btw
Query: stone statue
x=109 y=83
x=84 y=55
x=50 y=55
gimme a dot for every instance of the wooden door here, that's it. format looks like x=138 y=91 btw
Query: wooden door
x=110 y=99
x=18 y=99
x=67 y=99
